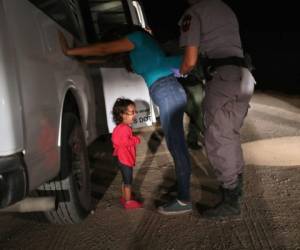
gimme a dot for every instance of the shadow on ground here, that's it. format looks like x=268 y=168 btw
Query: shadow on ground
x=104 y=169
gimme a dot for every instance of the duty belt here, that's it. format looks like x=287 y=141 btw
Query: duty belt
x=206 y=67
x=218 y=62
x=211 y=64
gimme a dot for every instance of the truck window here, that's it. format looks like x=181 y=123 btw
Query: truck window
x=64 y=12
x=107 y=15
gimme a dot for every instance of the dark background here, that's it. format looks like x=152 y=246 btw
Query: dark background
x=269 y=31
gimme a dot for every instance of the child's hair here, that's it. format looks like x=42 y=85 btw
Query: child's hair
x=119 y=108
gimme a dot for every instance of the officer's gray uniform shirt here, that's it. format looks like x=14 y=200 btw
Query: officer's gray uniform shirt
x=212 y=26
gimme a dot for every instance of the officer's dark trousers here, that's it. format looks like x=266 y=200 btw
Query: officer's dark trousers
x=193 y=108
x=225 y=106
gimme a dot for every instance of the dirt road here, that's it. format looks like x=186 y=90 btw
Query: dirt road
x=270 y=212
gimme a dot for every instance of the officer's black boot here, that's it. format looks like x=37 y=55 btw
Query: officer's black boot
x=230 y=205
x=239 y=184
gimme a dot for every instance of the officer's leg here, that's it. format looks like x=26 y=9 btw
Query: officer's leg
x=222 y=141
x=223 y=148
x=241 y=110
x=223 y=118
x=193 y=109
x=198 y=99
x=193 y=129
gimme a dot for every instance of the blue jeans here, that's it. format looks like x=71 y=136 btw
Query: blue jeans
x=171 y=99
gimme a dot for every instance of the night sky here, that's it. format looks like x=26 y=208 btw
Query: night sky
x=270 y=34
x=163 y=16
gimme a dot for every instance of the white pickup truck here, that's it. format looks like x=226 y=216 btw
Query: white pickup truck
x=48 y=108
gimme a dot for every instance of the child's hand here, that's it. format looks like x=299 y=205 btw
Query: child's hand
x=63 y=43
x=138 y=139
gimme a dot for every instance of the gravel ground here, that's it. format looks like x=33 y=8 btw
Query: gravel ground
x=270 y=211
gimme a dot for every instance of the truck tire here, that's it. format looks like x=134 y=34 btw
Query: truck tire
x=72 y=188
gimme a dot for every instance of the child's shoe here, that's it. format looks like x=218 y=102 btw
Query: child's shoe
x=132 y=204
x=122 y=201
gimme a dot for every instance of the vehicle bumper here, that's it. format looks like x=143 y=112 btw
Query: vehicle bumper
x=13 y=181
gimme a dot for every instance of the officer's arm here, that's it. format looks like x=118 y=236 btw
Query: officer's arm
x=189 y=59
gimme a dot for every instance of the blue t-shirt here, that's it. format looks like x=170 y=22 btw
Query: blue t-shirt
x=149 y=60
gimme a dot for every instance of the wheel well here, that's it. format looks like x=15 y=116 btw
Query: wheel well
x=70 y=105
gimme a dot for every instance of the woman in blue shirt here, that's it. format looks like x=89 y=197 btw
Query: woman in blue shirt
x=149 y=60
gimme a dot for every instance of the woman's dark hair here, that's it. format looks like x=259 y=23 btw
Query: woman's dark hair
x=117 y=32
x=119 y=108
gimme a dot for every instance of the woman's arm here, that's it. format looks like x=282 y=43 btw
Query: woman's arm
x=97 y=49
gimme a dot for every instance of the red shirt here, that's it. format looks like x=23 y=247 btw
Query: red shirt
x=124 y=143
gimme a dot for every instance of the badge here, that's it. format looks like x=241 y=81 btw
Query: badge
x=186 y=23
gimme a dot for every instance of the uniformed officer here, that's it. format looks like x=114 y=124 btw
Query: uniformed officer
x=211 y=28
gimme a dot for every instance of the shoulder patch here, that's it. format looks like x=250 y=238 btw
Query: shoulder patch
x=186 y=23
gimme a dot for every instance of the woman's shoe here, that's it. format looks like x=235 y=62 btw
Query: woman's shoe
x=175 y=207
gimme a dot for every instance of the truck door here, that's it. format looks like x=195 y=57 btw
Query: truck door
x=116 y=80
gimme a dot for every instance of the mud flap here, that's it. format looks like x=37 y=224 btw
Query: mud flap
x=118 y=82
